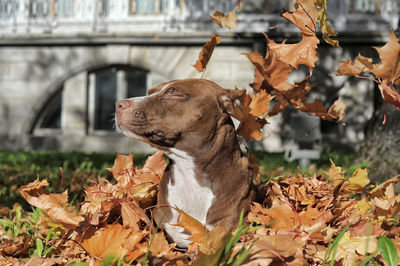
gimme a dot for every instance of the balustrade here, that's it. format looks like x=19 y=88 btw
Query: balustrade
x=91 y=16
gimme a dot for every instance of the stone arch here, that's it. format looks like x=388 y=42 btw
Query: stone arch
x=55 y=86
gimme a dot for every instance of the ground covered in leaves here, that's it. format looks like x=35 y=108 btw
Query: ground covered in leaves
x=331 y=218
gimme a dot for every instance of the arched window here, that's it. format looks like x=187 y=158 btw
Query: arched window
x=49 y=117
x=108 y=85
x=85 y=103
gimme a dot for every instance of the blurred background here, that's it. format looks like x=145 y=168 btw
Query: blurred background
x=64 y=63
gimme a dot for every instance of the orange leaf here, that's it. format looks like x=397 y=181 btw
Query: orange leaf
x=337 y=109
x=113 y=240
x=228 y=21
x=123 y=169
x=390 y=95
x=132 y=214
x=274 y=72
x=388 y=70
x=259 y=103
x=317 y=108
x=206 y=240
x=55 y=205
x=206 y=52
x=361 y=64
x=152 y=170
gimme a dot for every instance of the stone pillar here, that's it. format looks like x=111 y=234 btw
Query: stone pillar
x=74 y=100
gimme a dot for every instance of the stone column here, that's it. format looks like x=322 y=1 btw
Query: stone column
x=74 y=101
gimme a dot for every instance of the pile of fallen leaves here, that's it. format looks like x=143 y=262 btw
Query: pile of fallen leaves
x=302 y=220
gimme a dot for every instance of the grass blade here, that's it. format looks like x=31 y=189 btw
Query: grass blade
x=368 y=259
x=388 y=251
x=335 y=243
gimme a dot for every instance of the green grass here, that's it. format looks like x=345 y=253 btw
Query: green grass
x=274 y=164
x=79 y=169
x=20 y=168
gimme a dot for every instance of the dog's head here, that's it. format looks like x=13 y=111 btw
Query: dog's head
x=181 y=113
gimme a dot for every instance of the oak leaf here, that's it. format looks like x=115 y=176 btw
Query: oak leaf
x=228 y=21
x=206 y=52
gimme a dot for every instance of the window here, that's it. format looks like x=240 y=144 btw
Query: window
x=154 y=7
x=50 y=116
x=69 y=110
x=108 y=85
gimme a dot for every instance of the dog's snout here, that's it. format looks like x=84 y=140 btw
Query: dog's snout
x=122 y=105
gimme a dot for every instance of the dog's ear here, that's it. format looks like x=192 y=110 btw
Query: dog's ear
x=227 y=99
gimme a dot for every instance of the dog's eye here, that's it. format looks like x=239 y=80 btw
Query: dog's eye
x=173 y=93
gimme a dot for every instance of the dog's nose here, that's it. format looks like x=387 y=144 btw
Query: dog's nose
x=122 y=105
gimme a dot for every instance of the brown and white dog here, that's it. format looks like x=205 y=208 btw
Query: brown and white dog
x=207 y=177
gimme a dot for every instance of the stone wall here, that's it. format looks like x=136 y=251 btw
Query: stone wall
x=29 y=75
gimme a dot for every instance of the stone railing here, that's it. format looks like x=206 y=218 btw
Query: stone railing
x=65 y=17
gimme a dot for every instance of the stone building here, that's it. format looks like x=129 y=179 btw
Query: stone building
x=63 y=63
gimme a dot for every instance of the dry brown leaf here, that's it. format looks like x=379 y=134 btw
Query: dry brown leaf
x=201 y=236
x=360 y=65
x=123 y=169
x=324 y=25
x=280 y=217
x=113 y=240
x=228 y=21
x=335 y=174
x=259 y=103
x=132 y=214
x=304 y=52
x=390 y=95
x=317 y=108
x=275 y=248
x=388 y=70
x=274 y=72
x=153 y=169
x=206 y=52
x=379 y=190
x=357 y=181
x=55 y=205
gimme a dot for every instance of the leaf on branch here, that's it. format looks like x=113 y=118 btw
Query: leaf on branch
x=304 y=52
x=206 y=52
x=360 y=65
x=259 y=103
x=324 y=25
x=228 y=21
x=317 y=108
x=273 y=71
x=388 y=70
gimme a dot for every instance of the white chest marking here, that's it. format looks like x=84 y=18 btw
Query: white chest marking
x=185 y=193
